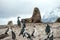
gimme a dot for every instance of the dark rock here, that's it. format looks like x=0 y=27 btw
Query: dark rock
x=3 y=36
x=58 y=20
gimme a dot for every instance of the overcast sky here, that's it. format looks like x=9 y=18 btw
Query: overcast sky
x=11 y=9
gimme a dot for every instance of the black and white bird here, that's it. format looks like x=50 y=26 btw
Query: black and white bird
x=27 y=35
x=34 y=33
x=50 y=36
x=13 y=36
x=11 y=31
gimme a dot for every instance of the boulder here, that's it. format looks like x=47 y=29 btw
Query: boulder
x=3 y=36
x=58 y=20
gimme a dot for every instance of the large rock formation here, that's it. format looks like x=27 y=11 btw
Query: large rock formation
x=58 y=20
x=36 y=17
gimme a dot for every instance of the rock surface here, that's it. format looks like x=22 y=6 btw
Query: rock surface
x=40 y=29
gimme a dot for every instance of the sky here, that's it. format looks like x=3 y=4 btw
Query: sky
x=11 y=9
